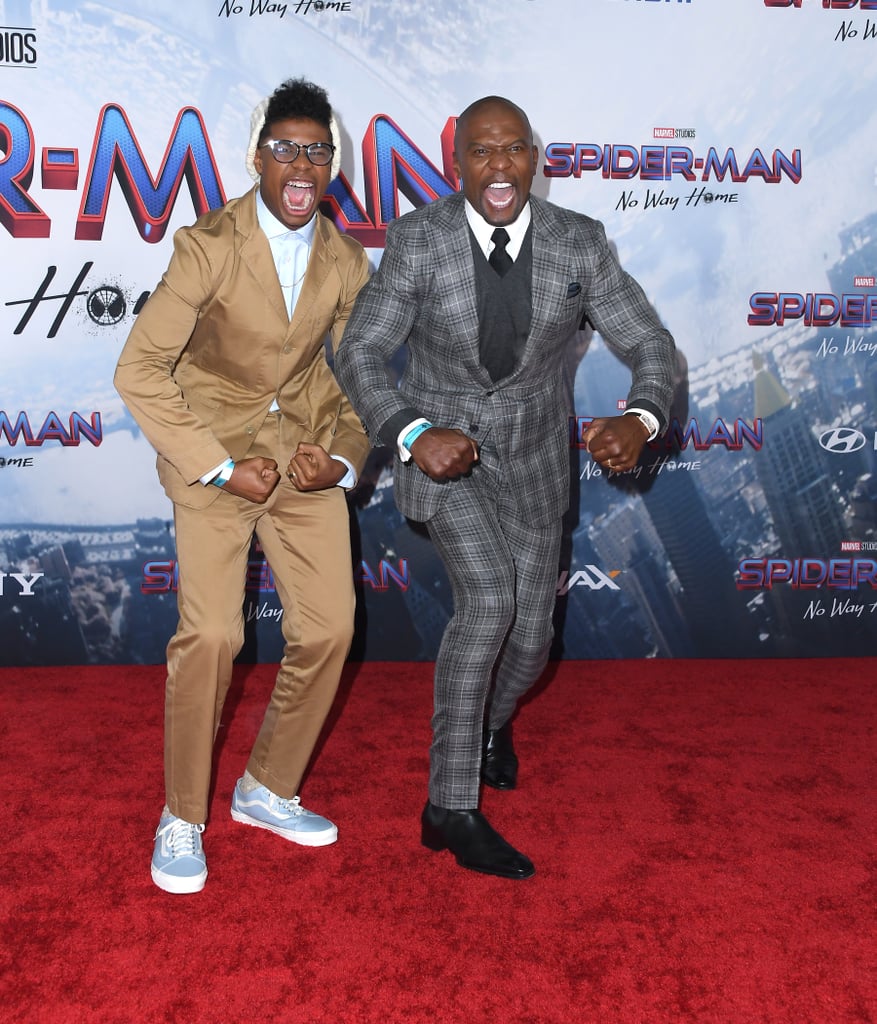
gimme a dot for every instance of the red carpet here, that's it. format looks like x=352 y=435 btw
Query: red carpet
x=703 y=833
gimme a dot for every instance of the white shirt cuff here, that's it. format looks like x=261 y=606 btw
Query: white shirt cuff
x=404 y=454
x=650 y=420
x=349 y=478
x=208 y=477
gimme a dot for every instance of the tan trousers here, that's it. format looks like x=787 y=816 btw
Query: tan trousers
x=306 y=540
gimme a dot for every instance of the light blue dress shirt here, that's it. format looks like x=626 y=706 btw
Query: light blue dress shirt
x=290 y=250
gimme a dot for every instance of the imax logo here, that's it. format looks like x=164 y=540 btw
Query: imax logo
x=842 y=440
x=590 y=577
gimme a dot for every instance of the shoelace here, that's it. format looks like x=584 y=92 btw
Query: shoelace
x=290 y=806
x=180 y=837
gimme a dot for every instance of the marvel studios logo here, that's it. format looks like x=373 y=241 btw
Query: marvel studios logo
x=864 y=282
x=673 y=133
x=858 y=545
x=18 y=47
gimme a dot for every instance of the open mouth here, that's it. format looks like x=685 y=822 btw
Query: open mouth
x=499 y=195
x=298 y=197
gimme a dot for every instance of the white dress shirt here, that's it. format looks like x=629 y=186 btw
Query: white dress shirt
x=482 y=230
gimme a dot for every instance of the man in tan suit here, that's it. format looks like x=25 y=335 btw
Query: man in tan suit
x=225 y=372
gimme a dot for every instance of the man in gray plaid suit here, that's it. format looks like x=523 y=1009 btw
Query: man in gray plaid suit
x=487 y=289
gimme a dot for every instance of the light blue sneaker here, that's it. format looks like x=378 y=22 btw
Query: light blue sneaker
x=287 y=818
x=178 y=861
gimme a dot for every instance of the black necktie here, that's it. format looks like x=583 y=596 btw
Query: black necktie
x=499 y=259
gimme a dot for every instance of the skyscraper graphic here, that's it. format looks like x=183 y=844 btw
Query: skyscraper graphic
x=713 y=609
x=803 y=503
x=808 y=517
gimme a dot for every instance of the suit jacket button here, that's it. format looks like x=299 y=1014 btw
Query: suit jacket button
x=474 y=427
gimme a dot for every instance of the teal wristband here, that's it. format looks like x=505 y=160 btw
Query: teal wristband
x=414 y=433
x=224 y=475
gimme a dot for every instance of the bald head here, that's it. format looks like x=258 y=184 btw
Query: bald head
x=486 y=105
x=495 y=158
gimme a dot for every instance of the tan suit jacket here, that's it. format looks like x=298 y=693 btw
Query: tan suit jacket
x=214 y=346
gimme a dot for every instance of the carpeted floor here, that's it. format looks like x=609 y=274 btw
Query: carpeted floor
x=703 y=832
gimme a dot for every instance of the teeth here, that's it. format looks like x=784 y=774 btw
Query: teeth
x=504 y=194
x=298 y=196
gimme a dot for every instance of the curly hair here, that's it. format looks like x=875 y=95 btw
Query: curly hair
x=297 y=98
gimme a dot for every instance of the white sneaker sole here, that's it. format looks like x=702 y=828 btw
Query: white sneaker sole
x=325 y=838
x=178 y=885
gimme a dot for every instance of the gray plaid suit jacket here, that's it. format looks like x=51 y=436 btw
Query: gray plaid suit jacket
x=423 y=293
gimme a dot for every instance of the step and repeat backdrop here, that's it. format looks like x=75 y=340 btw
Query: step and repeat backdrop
x=730 y=151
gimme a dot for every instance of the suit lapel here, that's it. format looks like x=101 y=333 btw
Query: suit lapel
x=451 y=243
x=256 y=255
x=551 y=264
x=320 y=263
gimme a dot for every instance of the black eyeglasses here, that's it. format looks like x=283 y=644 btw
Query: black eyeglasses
x=286 y=152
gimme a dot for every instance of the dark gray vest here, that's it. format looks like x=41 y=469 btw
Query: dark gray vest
x=505 y=307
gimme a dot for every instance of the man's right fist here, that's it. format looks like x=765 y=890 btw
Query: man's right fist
x=253 y=479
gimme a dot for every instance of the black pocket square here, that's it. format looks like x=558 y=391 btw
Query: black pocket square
x=573 y=288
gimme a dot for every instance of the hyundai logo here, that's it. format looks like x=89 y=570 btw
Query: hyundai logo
x=842 y=440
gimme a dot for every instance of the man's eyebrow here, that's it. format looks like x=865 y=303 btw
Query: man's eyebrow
x=500 y=145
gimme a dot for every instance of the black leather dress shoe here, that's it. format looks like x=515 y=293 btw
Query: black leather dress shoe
x=471 y=839
x=499 y=764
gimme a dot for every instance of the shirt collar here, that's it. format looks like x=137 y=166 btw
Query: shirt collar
x=275 y=228
x=482 y=230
